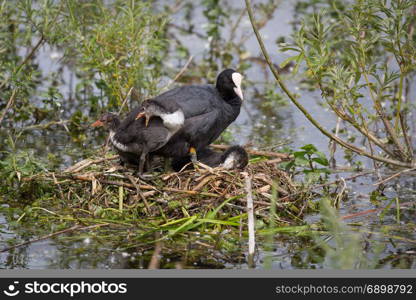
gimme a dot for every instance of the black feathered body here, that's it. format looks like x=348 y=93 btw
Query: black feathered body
x=137 y=137
x=132 y=139
x=207 y=115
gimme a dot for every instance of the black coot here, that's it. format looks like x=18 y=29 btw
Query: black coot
x=112 y=123
x=234 y=157
x=132 y=139
x=207 y=110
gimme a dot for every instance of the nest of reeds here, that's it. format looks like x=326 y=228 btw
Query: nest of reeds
x=104 y=183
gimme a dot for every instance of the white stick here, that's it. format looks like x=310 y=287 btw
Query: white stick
x=250 y=214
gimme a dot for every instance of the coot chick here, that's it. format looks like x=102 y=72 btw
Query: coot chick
x=132 y=139
x=207 y=109
x=170 y=113
x=112 y=123
x=235 y=157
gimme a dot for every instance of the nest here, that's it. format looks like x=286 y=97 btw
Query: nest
x=105 y=183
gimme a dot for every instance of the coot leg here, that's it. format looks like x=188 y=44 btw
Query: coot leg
x=142 y=161
x=194 y=159
x=192 y=152
x=166 y=164
x=148 y=165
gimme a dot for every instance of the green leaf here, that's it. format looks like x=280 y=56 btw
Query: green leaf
x=299 y=154
x=322 y=161
x=288 y=60
x=309 y=148
x=300 y=161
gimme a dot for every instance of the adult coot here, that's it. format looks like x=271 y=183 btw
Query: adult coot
x=132 y=139
x=207 y=109
x=234 y=157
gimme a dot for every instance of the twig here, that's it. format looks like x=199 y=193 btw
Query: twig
x=281 y=190
x=379 y=109
x=31 y=53
x=347 y=178
x=373 y=210
x=204 y=244
x=47 y=125
x=257 y=202
x=139 y=192
x=333 y=145
x=406 y=136
x=59 y=186
x=125 y=100
x=256 y=152
x=340 y=194
x=155 y=260
x=271 y=161
x=87 y=162
x=179 y=73
x=203 y=182
x=394 y=175
x=200 y=35
x=9 y=104
x=236 y=24
x=29 y=56
x=76 y=227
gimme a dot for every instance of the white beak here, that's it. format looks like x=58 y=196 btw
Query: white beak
x=237 y=77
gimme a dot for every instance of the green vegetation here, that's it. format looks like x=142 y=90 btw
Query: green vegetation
x=360 y=56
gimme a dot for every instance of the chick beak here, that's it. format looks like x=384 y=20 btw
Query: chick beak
x=141 y=115
x=97 y=123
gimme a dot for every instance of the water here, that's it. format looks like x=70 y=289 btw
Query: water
x=260 y=126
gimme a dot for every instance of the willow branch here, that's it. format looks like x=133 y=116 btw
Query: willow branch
x=406 y=137
x=386 y=122
x=362 y=129
x=26 y=59
x=304 y=111
x=9 y=104
x=180 y=73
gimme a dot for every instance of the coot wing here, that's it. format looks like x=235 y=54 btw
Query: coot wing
x=129 y=119
x=125 y=136
x=131 y=132
x=194 y=100
x=155 y=137
x=203 y=129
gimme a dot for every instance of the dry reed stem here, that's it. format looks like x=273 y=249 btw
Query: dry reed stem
x=250 y=218
x=256 y=152
x=195 y=190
